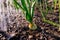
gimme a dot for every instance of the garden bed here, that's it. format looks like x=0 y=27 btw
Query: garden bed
x=44 y=31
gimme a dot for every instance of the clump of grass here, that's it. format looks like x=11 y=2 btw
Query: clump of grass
x=27 y=6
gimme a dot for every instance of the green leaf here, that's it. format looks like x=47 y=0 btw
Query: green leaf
x=29 y=5
x=28 y=1
x=28 y=17
x=24 y=5
x=32 y=8
x=17 y=5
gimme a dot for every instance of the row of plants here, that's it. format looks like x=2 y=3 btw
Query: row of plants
x=27 y=7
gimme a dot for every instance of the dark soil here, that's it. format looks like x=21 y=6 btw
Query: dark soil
x=38 y=34
x=44 y=31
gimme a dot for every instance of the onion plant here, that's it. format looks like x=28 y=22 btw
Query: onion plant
x=27 y=6
x=43 y=14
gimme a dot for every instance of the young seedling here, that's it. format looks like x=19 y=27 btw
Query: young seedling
x=45 y=13
x=27 y=7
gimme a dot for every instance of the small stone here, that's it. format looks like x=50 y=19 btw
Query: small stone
x=24 y=32
x=3 y=38
x=30 y=36
x=0 y=35
x=59 y=29
x=41 y=37
x=37 y=35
